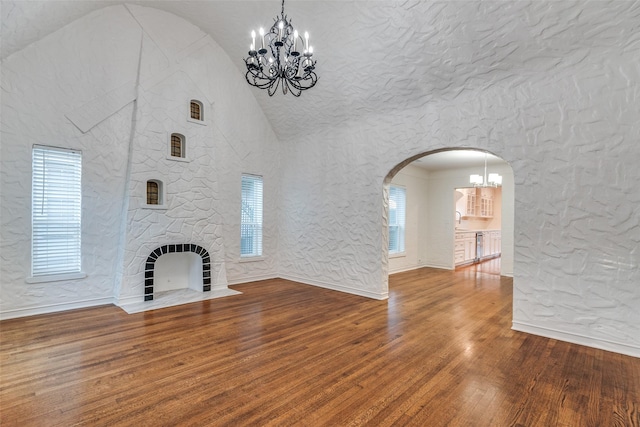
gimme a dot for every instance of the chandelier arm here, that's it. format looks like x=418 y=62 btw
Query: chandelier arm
x=258 y=79
x=273 y=87
x=306 y=82
x=292 y=87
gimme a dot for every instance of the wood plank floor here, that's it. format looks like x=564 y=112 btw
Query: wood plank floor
x=439 y=352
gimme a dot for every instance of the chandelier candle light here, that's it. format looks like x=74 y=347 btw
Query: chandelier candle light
x=494 y=180
x=279 y=61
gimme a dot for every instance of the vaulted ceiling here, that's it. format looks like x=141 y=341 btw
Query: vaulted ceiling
x=380 y=56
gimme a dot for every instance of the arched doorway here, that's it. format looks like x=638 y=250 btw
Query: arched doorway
x=434 y=178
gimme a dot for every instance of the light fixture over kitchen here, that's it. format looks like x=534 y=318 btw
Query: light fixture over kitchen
x=281 y=57
x=493 y=180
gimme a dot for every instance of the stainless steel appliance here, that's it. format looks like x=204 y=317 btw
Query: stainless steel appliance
x=479 y=245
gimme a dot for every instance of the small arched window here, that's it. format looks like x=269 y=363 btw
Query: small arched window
x=196 y=111
x=177 y=145
x=154 y=192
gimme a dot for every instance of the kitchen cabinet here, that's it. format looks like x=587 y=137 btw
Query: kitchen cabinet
x=471 y=203
x=470 y=249
x=494 y=241
x=492 y=244
x=466 y=201
x=486 y=202
x=464 y=247
x=476 y=203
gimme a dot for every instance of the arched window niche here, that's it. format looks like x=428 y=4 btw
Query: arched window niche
x=196 y=110
x=196 y=113
x=177 y=147
x=155 y=194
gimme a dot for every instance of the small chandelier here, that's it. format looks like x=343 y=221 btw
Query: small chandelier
x=494 y=180
x=278 y=60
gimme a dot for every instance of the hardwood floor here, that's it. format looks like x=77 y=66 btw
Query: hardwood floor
x=490 y=266
x=439 y=352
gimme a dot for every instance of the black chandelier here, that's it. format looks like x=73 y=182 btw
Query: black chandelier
x=278 y=61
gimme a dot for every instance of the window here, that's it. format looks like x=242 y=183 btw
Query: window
x=397 y=201
x=155 y=196
x=251 y=216
x=177 y=145
x=153 y=193
x=56 y=211
x=196 y=110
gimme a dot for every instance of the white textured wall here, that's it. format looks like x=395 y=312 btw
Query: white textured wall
x=567 y=123
x=331 y=233
x=571 y=138
x=415 y=181
x=41 y=84
x=76 y=88
x=203 y=208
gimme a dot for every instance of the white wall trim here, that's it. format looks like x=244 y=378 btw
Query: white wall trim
x=616 y=347
x=440 y=266
x=334 y=287
x=54 y=308
x=408 y=268
x=249 y=279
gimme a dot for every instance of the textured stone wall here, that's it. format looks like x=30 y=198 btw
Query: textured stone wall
x=116 y=83
x=41 y=84
x=566 y=121
x=572 y=141
x=200 y=208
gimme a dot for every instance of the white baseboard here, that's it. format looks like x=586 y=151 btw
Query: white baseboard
x=405 y=268
x=53 y=308
x=415 y=267
x=440 y=266
x=249 y=279
x=334 y=287
x=616 y=347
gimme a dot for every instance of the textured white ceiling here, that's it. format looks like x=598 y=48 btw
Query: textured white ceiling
x=375 y=57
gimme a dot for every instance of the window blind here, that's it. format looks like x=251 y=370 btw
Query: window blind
x=56 y=211
x=397 y=205
x=251 y=216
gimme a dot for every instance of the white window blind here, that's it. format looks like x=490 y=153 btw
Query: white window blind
x=397 y=202
x=56 y=211
x=251 y=219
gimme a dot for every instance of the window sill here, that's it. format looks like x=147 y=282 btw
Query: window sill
x=155 y=207
x=56 y=277
x=251 y=258
x=397 y=255
x=198 y=122
x=178 y=159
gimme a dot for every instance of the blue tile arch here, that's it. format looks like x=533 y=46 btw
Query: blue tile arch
x=165 y=249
